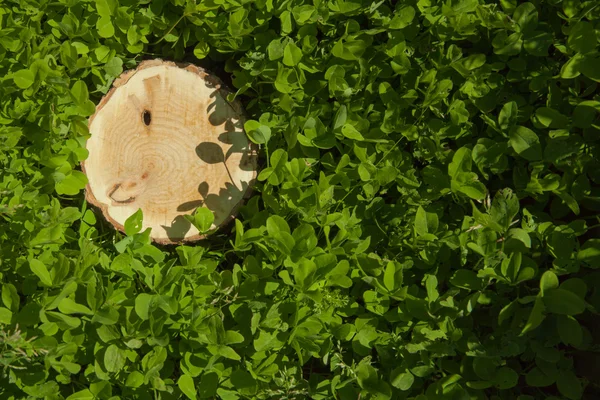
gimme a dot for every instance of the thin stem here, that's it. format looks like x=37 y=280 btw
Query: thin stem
x=171 y=29
x=228 y=173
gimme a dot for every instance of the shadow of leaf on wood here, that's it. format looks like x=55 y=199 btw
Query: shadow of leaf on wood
x=222 y=205
x=179 y=227
x=219 y=110
x=238 y=142
x=210 y=153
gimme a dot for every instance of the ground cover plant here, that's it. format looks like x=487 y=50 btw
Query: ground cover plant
x=425 y=225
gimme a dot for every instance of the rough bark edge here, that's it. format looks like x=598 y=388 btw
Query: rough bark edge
x=237 y=107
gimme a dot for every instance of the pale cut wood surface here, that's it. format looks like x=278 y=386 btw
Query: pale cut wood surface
x=166 y=140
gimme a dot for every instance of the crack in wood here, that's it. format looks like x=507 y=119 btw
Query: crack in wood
x=114 y=189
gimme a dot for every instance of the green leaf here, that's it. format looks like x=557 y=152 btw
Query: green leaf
x=402 y=17
x=203 y=219
x=508 y=115
x=350 y=132
x=569 y=330
x=461 y=162
x=389 y=276
x=201 y=50
x=143 y=305
x=526 y=16
x=526 y=143
x=507 y=45
x=582 y=37
x=549 y=281
x=133 y=224
x=229 y=353
x=402 y=379
x=505 y=207
x=571 y=69
x=551 y=118
x=10 y=296
x=576 y=286
x=466 y=279
x=5 y=316
x=537 y=43
x=569 y=385
x=68 y=306
x=24 y=78
x=588 y=66
x=41 y=271
x=485 y=368
x=106 y=8
x=79 y=92
x=187 y=387
x=114 y=358
x=537 y=378
x=232 y=337
x=276 y=225
x=292 y=54
x=536 y=316
x=564 y=302
x=431 y=284
x=266 y=341
x=257 y=132
x=589 y=253
x=134 y=380
x=72 y=184
x=105 y=27
x=506 y=378
x=84 y=394
x=421 y=226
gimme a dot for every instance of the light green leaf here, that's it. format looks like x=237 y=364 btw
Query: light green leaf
x=39 y=269
x=228 y=352
x=5 y=316
x=203 y=219
x=402 y=379
x=134 y=380
x=548 y=281
x=133 y=224
x=350 y=132
x=84 y=394
x=24 y=78
x=68 y=306
x=389 y=276
x=114 y=358
x=186 y=385
x=105 y=27
x=79 y=92
x=201 y=50
x=292 y=54
x=143 y=304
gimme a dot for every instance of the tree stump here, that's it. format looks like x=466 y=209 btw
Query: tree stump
x=166 y=140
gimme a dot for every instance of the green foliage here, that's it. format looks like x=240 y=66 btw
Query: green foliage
x=424 y=226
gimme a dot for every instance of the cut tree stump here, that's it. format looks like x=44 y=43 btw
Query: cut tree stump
x=166 y=140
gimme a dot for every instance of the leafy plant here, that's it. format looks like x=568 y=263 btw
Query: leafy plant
x=425 y=224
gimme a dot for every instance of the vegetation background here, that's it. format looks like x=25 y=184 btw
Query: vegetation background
x=425 y=226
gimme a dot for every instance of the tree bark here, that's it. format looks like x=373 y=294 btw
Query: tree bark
x=165 y=140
